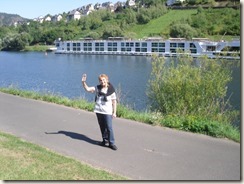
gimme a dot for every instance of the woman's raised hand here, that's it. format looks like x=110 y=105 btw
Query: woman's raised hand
x=83 y=78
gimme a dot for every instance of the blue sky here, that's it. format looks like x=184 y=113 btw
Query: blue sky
x=35 y=8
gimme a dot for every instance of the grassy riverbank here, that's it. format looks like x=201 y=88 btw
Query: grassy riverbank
x=192 y=124
x=20 y=160
x=39 y=48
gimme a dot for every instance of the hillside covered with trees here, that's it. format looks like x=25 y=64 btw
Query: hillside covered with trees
x=149 y=18
x=10 y=19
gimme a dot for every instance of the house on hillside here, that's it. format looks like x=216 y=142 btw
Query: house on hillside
x=39 y=19
x=88 y=9
x=131 y=3
x=73 y=15
x=48 y=18
x=172 y=2
x=86 y=12
x=119 y=4
x=15 y=24
x=57 y=18
x=81 y=9
x=109 y=6
x=97 y=6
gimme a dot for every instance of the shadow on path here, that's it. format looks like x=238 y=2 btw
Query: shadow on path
x=74 y=135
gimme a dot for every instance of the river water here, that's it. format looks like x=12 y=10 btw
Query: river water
x=61 y=74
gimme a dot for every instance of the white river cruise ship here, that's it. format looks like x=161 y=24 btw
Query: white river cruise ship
x=172 y=47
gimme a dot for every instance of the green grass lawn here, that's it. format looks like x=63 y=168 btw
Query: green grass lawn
x=20 y=160
x=161 y=24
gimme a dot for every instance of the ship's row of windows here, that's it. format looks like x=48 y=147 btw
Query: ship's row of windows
x=114 y=49
x=131 y=44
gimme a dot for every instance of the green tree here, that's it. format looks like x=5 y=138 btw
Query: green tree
x=182 y=31
x=84 y=23
x=148 y=3
x=49 y=36
x=130 y=16
x=24 y=28
x=200 y=21
x=157 y=11
x=15 y=42
x=143 y=18
x=36 y=35
x=113 y=31
x=93 y=35
x=4 y=30
x=95 y=21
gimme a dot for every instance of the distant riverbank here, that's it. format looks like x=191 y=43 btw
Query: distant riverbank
x=38 y=48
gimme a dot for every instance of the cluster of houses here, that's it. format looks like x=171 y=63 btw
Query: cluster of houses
x=76 y=14
x=85 y=10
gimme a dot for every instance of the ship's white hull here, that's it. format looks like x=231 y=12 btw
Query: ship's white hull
x=166 y=48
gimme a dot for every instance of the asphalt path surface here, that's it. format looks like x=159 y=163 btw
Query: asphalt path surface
x=144 y=152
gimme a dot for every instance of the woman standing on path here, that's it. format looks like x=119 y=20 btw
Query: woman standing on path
x=105 y=107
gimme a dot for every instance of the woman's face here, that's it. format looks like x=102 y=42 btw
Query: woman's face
x=103 y=81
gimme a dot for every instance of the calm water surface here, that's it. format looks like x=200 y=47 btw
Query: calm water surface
x=61 y=74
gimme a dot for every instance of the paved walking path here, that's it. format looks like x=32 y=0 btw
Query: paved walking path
x=144 y=152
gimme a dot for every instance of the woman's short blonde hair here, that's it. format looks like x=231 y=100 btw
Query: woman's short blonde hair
x=103 y=76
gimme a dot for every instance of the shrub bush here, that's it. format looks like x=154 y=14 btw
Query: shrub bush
x=201 y=125
x=191 y=95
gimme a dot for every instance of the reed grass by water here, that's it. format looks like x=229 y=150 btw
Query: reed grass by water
x=192 y=124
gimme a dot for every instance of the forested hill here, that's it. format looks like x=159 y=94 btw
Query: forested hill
x=9 y=19
x=155 y=20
